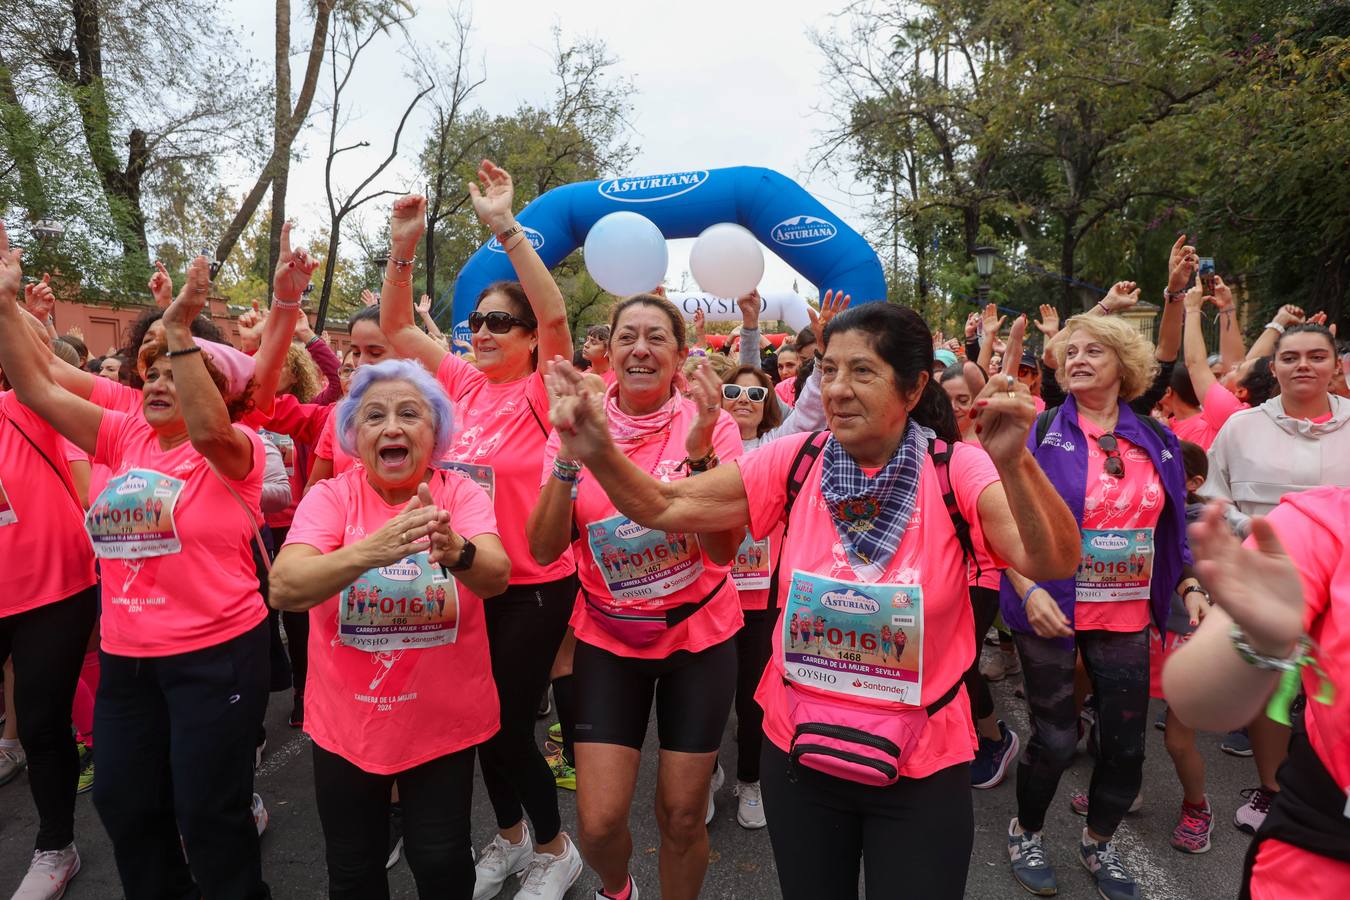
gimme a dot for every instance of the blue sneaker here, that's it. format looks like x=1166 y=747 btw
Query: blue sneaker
x=993 y=758
x=1237 y=743
x=1102 y=860
x=1029 y=865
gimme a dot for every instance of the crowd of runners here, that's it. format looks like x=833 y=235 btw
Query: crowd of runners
x=424 y=545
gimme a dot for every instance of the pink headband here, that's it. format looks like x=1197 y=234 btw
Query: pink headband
x=236 y=366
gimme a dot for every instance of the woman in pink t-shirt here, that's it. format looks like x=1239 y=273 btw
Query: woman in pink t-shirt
x=660 y=619
x=47 y=603
x=1283 y=595
x=184 y=640
x=1122 y=475
x=861 y=751
x=401 y=688
x=502 y=410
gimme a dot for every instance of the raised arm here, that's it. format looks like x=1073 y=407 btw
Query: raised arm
x=749 y=306
x=26 y=369
x=324 y=357
x=493 y=204
x=1264 y=345
x=704 y=504
x=992 y=323
x=294 y=269
x=407 y=223
x=1231 y=347
x=429 y=321
x=1181 y=265
x=1023 y=517
x=1196 y=356
x=204 y=411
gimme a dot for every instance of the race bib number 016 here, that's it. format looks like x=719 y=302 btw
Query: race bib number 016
x=859 y=640
x=134 y=516
x=642 y=566
x=750 y=568
x=1116 y=565
x=405 y=606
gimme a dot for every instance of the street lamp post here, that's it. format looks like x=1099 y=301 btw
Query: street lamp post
x=48 y=230
x=984 y=267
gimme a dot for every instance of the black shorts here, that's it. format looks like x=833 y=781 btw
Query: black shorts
x=693 y=697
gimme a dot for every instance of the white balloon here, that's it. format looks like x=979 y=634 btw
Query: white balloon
x=626 y=254
x=726 y=260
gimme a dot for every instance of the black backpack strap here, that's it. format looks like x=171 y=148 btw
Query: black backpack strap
x=802 y=463
x=1043 y=423
x=941 y=451
x=70 y=490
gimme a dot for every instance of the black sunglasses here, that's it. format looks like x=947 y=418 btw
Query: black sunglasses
x=1114 y=465
x=498 y=322
x=733 y=391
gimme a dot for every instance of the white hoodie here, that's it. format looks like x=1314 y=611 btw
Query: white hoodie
x=1261 y=454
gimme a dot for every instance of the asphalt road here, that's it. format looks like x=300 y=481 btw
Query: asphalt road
x=742 y=863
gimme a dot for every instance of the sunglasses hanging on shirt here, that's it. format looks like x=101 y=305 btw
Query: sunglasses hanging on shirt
x=1114 y=464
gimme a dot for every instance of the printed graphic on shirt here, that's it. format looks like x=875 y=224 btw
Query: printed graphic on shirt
x=286 y=444
x=483 y=476
x=7 y=514
x=750 y=568
x=408 y=605
x=1115 y=566
x=639 y=564
x=133 y=517
x=855 y=639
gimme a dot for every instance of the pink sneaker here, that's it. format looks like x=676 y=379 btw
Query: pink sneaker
x=1193 y=830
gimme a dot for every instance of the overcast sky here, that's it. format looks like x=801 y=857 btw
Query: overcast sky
x=717 y=83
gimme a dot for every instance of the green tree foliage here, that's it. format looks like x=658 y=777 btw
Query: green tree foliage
x=1080 y=138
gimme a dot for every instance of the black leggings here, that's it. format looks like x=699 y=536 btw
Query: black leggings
x=436 y=799
x=1117 y=663
x=754 y=643
x=984 y=603
x=296 y=625
x=914 y=838
x=693 y=694
x=525 y=625
x=48 y=645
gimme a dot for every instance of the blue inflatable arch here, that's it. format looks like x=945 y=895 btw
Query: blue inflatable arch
x=777 y=210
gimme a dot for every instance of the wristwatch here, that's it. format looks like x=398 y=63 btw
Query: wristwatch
x=1197 y=589
x=466 y=555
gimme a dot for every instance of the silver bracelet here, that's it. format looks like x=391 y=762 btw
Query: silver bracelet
x=1260 y=660
x=1275 y=326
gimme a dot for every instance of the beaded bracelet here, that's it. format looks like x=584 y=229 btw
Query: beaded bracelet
x=1289 y=669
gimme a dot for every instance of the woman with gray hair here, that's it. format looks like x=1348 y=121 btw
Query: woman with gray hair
x=392 y=559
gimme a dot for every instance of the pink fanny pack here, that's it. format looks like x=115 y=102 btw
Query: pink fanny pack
x=853 y=742
x=643 y=628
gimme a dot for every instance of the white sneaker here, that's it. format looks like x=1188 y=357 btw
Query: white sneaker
x=718 y=778
x=260 y=817
x=632 y=893
x=49 y=874
x=549 y=876
x=12 y=762
x=500 y=860
x=750 y=806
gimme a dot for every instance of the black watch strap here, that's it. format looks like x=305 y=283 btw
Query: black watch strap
x=466 y=555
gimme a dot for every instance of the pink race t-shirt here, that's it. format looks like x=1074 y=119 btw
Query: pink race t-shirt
x=1311 y=526
x=660 y=454
x=117 y=397
x=330 y=449
x=500 y=437
x=195 y=586
x=1118 y=508
x=391 y=710
x=928 y=559
x=1218 y=406
x=46 y=555
x=784 y=391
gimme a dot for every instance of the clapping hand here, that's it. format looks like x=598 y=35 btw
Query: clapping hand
x=1048 y=324
x=192 y=297
x=576 y=411
x=409 y=531
x=407 y=223
x=834 y=303
x=250 y=325
x=38 y=298
x=161 y=286
x=992 y=321
x=1122 y=296
x=493 y=202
